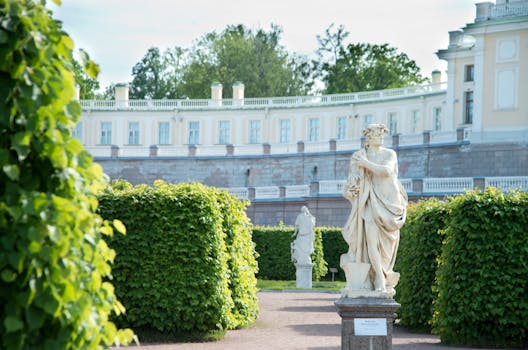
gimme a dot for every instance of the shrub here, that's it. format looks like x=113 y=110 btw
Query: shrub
x=333 y=246
x=187 y=265
x=420 y=247
x=481 y=278
x=52 y=256
x=273 y=245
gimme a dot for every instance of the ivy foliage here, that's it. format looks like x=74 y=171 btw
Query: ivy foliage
x=187 y=264
x=54 y=263
x=273 y=245
x=481 y=278
x=420 y=247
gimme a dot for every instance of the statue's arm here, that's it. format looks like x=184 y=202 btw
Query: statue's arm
x=385 y=168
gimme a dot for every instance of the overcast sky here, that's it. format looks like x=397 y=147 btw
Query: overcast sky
x=117 y=33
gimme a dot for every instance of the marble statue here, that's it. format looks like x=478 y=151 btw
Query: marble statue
x=378 y=212
x=303 y=245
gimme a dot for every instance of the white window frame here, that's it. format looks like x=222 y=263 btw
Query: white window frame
x=193 y=132
x=134 y=133
x=284 y=131
x=255 y=131
x=341 y=128
x=367 y=119
x=164 y=133
x=437 y=119
x=105 y=137
x=314 y=129
x=77 y=131
x=392 y=122
x=224 y=132
x=415 y=118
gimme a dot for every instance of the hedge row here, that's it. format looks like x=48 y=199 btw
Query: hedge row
x=420 y=245
x=482 y=276
x=187 y=264
x=273 y=245
x=463 y=269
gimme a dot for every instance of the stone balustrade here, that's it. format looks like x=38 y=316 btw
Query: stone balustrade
x=260 y=103
x=414 y=187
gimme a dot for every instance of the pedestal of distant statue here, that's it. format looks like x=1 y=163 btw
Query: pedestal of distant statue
x=303 y=275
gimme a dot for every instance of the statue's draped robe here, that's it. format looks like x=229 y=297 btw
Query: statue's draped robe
x=381 y=202
x=303 y=244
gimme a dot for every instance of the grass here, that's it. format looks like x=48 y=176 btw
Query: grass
x=290 y=285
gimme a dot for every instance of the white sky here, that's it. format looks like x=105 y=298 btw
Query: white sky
x=117 y=33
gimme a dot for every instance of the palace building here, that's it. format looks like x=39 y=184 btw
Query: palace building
x=285 y=152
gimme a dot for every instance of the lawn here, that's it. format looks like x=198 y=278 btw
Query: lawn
x=290 y=285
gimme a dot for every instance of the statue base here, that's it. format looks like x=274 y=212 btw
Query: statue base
x=366 y=322
x=303 y=275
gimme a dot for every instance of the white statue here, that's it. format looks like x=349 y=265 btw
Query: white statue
x=379 y=205
x=303 y=245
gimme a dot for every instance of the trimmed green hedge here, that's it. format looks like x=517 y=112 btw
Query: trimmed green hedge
x=273 y=245
x=420 y=246
x=187 y=264
x=333 y=246
x=482 y=276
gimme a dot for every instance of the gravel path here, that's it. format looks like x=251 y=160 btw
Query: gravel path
x=298 y=320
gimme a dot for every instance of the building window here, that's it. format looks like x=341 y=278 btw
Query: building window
x=194 y=133
x=393 y=123
x=106 y=133
x=254 y=131
x=437 y=118
x=77 y=131
x=285 y=131
x=224 y=132
x=341 y=128
x=367 y=119
x=133 y=133
x=468 y=107
x=163 y=133
x=315 y=127
x=469 y=72
x=415 y=118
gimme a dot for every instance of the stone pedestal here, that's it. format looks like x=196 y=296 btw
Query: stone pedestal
x=366 y=322
x=303 y=275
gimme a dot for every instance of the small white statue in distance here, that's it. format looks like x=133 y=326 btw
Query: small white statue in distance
x=303 y=245
x=379 y=205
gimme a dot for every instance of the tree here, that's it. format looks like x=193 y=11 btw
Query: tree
x=362 y=66
x=151 y=77
x=253 y=57
x=54 y=263
x=87 y=85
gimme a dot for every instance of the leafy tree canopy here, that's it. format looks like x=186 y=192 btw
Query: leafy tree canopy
x=362 y=66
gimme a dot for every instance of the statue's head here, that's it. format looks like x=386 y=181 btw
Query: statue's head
x=374 y=133
x=304 y=209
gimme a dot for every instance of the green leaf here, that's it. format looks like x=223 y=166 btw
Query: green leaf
x=21 y=142
x=13 y=324
x=8 y=275
x=119 y=226
x=12 y=171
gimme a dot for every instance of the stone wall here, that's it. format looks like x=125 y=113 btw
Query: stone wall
x=460 y=159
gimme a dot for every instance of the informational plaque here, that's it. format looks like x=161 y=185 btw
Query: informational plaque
x=370 y=326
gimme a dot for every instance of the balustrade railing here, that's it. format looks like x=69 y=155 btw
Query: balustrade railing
x=295 y=191
x=241 y=193
x=288 y=101
x=267 y=192
x=331 y=186
x=508 y=183
x=512 y=9
x=447 y=185
x=407 y=185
